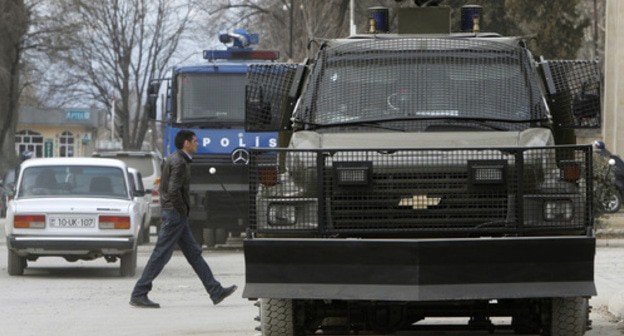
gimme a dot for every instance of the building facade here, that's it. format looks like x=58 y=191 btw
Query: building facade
x=58 y=132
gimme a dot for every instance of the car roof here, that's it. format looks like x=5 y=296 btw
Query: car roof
x=127 y=153
x=74 y=161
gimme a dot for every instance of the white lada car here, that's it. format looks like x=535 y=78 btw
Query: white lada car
x=76 y=208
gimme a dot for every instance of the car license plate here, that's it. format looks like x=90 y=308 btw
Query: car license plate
x=72 y=222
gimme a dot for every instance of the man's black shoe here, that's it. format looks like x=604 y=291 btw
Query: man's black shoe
x=143 y=302
x=225 y=292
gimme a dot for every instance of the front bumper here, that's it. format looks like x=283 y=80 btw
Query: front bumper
x=52 y=245
x=420 y=269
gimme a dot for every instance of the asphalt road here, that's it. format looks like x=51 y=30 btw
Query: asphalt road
x=55 y=297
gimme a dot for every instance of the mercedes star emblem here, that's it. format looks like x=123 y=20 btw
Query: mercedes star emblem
x=240 y=156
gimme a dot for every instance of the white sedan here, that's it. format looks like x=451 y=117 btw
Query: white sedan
x=76 y=208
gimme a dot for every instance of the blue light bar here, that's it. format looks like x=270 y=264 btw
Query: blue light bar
x=241 y=55
x=378 y=20
x=471 y=18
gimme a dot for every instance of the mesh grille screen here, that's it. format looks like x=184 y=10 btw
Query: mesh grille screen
x=423 y=79
x=267 y=92
x=574 y=88
x=467 y=190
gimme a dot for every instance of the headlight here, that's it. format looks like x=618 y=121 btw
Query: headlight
x=487 y=172
x=352 y=173
x=558 y=210
x=282 y=214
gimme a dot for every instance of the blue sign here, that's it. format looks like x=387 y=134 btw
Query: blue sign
x=225 y=141
x=77 y=115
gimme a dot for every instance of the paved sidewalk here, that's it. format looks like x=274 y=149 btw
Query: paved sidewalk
x=609 y=265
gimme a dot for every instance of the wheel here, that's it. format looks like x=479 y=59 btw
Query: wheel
x=16 y=264
x=146 y=235
x=128 y=264
x=569 y=316
x=197 y=228
x=209 y=237
x=140 y=237
x=613 y=203
x=220 y=235
x=143 y=236
x=276 y=317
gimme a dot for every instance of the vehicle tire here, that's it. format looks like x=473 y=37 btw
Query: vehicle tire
x=128 y=263
x=140 y=240
x=146 y=235
x=276 y=317
x=569 y=316
x=209 y=237
x=613 y=204
x=141 y=237
x=16 y=264
x=220 y=235
x=197 y=229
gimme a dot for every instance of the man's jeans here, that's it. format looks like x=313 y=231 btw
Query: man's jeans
x=175 y=228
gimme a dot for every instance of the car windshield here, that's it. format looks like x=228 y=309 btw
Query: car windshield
x=73 y=181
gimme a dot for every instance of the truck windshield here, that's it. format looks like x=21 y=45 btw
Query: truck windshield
x=403 y=82
x=211 y=97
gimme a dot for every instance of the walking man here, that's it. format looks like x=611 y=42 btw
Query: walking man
x=174 y=200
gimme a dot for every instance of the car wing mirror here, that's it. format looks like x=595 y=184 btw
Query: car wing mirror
x=138 y=193
x=10 y=190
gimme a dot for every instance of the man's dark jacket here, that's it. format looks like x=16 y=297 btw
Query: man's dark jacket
x=174 y=184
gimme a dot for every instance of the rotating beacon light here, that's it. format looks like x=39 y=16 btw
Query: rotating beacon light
x=239 y=43
x=471 y=18
x=378 y=22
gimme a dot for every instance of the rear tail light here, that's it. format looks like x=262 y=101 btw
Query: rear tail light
x=155 y=193
x=115 y=222
x=29 y=221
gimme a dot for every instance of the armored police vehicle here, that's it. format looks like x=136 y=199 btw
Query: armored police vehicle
x=425 y=176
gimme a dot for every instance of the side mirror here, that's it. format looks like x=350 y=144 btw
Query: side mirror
x=152 y=98
x=573 y=92
x=148 y=191
x=138 y=193
x=267 y=99
x=10 y=190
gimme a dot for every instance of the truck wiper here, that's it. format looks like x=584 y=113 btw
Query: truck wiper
x=371 y=124
x=462 y=123
x=209 y=122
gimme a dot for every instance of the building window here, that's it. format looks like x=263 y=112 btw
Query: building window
x=28 y=140
x=66 y=147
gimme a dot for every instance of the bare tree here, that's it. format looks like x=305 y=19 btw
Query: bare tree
x=289 y=25
x=111 y=49
x=14 y=22
x=594 y=36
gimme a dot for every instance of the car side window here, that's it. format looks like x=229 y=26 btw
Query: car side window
x=132 y=185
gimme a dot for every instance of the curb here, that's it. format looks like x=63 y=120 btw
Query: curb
x=616 y=305
x=610 y=233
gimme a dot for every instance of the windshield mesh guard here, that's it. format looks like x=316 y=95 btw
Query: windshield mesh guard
x=416 y=80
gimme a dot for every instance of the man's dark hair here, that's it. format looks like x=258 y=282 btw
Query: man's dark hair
x=182 y=136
